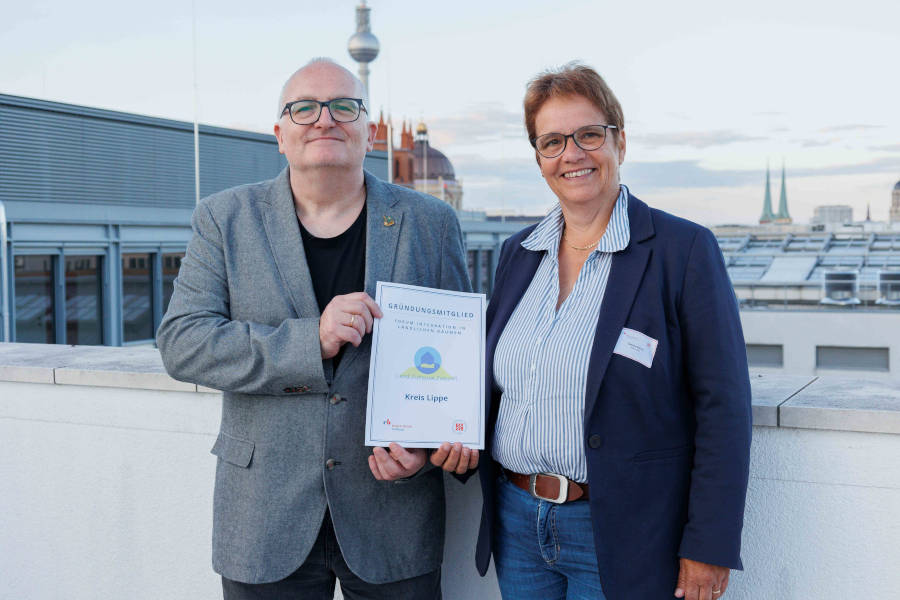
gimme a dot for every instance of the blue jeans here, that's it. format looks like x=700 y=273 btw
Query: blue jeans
x=543 y=551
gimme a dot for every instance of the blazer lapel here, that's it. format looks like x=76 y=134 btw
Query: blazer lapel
x=283 y=232
x=511 y=290
x=383 y=222
x=625 y=276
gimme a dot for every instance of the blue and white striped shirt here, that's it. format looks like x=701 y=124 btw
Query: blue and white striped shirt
x=541 y=360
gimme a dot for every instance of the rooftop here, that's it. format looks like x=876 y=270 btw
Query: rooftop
x=108 y=477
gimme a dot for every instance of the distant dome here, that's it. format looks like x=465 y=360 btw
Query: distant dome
x=897 y=186
x=438 y=164
x=421 y=128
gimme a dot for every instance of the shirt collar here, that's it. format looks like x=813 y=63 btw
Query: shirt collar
x=616 y=237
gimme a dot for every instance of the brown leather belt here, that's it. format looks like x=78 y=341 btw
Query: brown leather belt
x=549 y=486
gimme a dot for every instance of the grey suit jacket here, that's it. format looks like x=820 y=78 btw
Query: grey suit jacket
x=244 y=319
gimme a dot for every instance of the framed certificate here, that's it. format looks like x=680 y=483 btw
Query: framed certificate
x=426 y=372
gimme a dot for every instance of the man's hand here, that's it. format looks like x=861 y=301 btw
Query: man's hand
x=700 y=581
x=454 y=458
x=345 y=319
x=396 y=462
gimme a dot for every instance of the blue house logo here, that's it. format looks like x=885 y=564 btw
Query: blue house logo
x=427 y=364
x=427 y=360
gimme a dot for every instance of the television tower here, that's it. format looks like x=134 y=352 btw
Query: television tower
x=362 y=45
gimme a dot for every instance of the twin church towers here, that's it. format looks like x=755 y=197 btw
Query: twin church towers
x=782 y=216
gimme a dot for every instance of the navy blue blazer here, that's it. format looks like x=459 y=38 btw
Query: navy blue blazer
x=668 y=447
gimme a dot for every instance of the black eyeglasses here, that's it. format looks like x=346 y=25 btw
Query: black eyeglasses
x=307 y=112
x=589 y=137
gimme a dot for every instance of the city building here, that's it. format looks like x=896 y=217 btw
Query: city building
x=895 y=204
x=95 y=209
x=401 y=156
x=820 y=298
x=832 y=214
x=417 y=164
x=433 y=172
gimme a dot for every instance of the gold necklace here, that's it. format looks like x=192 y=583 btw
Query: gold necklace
x=574 y=247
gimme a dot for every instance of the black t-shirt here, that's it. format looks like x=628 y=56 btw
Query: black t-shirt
x=337 y=265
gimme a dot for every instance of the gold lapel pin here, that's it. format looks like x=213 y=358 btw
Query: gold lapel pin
x=388 y=221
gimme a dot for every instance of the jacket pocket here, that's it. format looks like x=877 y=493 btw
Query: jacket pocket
x=663 y=453
x=233 y=450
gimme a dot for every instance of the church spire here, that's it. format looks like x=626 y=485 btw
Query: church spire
x=767 y=216
x=783 y=216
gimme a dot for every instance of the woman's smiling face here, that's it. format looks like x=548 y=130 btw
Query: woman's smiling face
x=576 y=176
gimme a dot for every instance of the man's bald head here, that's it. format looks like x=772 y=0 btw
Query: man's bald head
x=321 y=63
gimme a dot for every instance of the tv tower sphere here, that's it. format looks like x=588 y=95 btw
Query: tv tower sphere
x=362 y=45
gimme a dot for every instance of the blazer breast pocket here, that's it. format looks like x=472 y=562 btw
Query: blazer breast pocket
x=232 y=450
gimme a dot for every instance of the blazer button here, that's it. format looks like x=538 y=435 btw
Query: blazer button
x=336 y=399
x=595 y=441
x=330 y=464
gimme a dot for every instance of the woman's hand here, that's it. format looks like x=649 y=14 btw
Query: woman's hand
x=454 y=458
x=700 y=581
x=396 y=462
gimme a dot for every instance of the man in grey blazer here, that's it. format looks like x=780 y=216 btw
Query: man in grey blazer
x=273 y=305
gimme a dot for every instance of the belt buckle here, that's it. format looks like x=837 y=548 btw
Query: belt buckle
x=563 y=487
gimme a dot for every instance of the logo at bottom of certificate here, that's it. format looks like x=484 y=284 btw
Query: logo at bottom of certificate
x=459 y=427
x=396 y=426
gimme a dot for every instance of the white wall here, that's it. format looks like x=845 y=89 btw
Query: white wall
x=822 y=518
x=106 y=493
x=800 y=331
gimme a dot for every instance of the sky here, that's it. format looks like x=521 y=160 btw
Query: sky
x=712 y=91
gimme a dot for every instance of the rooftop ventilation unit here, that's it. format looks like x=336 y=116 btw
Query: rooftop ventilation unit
x=840 y=288
x=888 y=288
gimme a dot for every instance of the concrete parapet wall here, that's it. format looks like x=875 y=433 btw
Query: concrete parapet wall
x=106 y=485
x=799 y=332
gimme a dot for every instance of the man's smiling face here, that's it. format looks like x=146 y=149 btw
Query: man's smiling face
x=325 y=143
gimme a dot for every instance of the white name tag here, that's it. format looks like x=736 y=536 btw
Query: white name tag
x=636 y=346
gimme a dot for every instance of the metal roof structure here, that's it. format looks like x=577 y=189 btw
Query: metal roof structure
x=793 y=268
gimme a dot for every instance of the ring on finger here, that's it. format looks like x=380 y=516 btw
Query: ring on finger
x=352 y=320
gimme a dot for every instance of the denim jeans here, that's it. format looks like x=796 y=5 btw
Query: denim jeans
x=542 y=550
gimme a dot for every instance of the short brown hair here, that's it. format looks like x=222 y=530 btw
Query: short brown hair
x=571 y=79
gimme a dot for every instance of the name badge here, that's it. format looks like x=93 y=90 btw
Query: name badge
x=636 y=346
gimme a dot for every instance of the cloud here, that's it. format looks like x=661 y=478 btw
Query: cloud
x=510 y=184
x=684 y=174
x=690 y=174
x=850 y=127
x=516 y=183
x=815 y=142
x=887 y=148
x=478 y=123
x=886 y=164
x=695 y=139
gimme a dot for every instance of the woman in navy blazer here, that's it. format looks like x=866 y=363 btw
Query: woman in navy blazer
x=665 y=425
